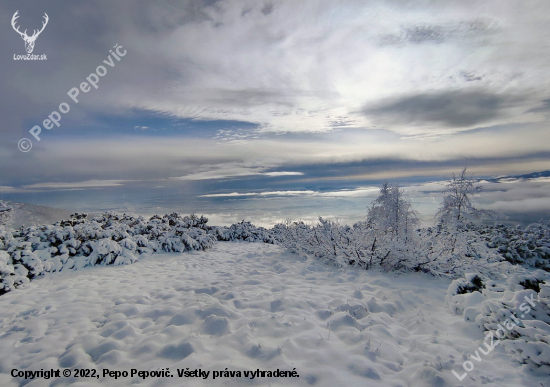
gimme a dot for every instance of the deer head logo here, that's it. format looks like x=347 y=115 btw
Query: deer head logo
x=29 y=40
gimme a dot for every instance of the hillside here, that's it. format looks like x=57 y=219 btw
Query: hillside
x=26 y=215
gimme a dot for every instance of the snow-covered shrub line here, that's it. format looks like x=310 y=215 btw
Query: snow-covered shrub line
x=391 y=239
x=529 y=246
x=243 y=231
x=443 y=250
x=109 y=239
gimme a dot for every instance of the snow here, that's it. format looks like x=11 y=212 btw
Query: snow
x=26 y=215
x=246 y=306
x=517 y=310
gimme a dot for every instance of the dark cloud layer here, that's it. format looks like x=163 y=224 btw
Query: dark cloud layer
x=544 y=108
x=447 y=108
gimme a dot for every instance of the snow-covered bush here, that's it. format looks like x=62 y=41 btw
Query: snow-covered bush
x=7 y=271
x=5 y=237
x=243 y=231
x=174 y=233
x=472 y=283
x=367 y=246
x=5 y=214
x=358 y=245
x=387 y=239
x=516 y=310
x=454 y=252
x=290 y=234
x=426 y=250
x=529 y=246
x=531 y=342
x=107 y=239
x=525 y=313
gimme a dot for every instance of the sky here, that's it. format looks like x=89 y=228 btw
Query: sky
x=268 y=110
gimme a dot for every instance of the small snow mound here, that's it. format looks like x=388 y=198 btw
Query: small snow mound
x=215 y=326
x=324 y=314
x=74 y=356
x=259 y=352
x=276 y=306
x=363 y=370
x=183 y=318
x=342 y=321
x=111 y=358
x=211 y=290
x=102 y=349
x=430 y=377
x=177 y=351
x=216 y=310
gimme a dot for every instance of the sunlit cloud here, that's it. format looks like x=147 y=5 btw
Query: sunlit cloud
x=77 y=184
x=275 y=174
x=234 y=170
x=359 y=192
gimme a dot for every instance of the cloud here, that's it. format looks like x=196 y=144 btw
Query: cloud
x=358 y=192
x=345 y=155
x=283 y=66
x=474 y=29
x=229 y=195
x=8 y=189
x=522 y=205
x=276 y=174
x=452 y=109
x=233 y=170
x=250 y=194
x=544 y=108
x=76 y=184
x=320 y=100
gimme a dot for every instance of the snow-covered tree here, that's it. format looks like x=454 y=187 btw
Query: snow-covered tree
x=391 y=213
x=457 y=209
x=456 y=242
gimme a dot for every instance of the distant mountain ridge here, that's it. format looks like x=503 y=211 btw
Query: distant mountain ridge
x=25 y=215
x=532 y=175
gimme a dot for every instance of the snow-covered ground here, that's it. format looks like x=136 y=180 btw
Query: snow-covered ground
x=245 y=306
